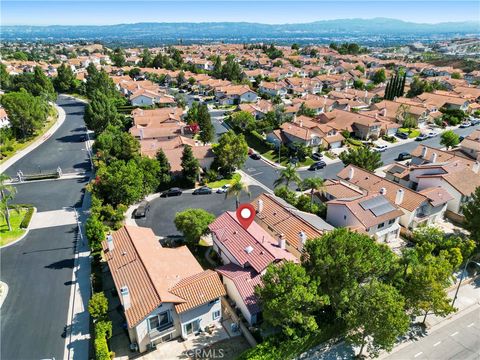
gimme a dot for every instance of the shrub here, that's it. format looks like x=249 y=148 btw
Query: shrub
x=101 y=348
x=94 y=230
x=103 y=328
x=354 y=142
x=27 y=218
x=391 y=139
x=98 y=306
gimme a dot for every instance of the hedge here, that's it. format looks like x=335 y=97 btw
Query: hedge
x=27 y=217
x=103 y=330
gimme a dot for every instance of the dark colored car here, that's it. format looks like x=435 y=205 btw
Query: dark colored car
x=142 y=209
x=172 y=192
x=475 y=122
x=204 y=190
x=255 y=156
x=317 y=156
x=401 y=135
x=404 y=156
x=318 y=165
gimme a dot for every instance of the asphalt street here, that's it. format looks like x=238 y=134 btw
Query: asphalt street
x=38 y=269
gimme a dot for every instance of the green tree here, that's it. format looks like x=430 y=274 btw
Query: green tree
x=379 y=76
x=65 y=81
x=231 y=152
x=362 y=157
x=149 y=170
x=26 y=113
x=101 y=112
x=118 y=57
x=98 y=306
x=341 y=260
x=314 y=184
x=207 y=131
x=289 y=299
x=306 y=111
x=409 y=121
x=164 y=173
x=217 y=68
x=5 y=79
x=243 y=120
x=98 y=82
x=146 y=58
x=95 y=232
x=236 y=189
x=376 y=317
x=7 y=194
x=193 y=223
x=287 y=176
x=190 y=166
x=456 y=75
x=115 y=144
x=471 y=212
x=449 y=139
x=231 y=69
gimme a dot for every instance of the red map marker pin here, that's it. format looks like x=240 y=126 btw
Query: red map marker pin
x=245 y=214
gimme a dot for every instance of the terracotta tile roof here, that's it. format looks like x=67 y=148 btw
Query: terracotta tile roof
x=442 y=156
x=197 y=290
x=472 y=141
x=373 y=183
x=341 y=190
x=150 y=271
x=264 y=248
x=280 y=218
x=437 y=195
x=245 y=280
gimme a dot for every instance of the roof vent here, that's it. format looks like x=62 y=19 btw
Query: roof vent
x=248 y=249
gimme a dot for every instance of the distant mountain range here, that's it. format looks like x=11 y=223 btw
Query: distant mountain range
x=366 y=31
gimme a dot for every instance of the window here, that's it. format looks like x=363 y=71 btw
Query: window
x=381 y=225
x=153 y=322
x=159 y=321
x=216 y=315
x=390 y=222
x=344 y=217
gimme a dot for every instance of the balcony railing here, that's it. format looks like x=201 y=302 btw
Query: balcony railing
x=161 y=331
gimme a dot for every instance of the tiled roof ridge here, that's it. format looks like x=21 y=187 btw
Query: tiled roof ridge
x=192 y=278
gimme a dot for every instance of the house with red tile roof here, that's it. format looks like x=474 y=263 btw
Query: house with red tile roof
x=165 y=293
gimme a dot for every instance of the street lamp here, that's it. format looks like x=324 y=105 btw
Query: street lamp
x=462 y=276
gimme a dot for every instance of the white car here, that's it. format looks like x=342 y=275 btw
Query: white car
x=431 y=134
x=380 y=148
x=223 y=189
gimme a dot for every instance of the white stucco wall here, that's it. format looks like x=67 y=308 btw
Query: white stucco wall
x=235 y=296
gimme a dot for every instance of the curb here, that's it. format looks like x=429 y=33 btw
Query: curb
x=27 y=230
x=4 y=294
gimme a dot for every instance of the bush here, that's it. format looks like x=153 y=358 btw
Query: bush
x=391 y=139
x=354 y=142
x=94 y=230
x=98 y=306
x=103 y=328
x=27 y=218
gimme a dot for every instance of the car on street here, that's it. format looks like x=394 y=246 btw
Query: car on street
x=251 y=151
x=142 y=209
x=223 y=189
x=474 y=121
x=204 y=190
x=175 y=191
x=465 y=124
x=317 y=166
x=255 y=156
x=401 y=135
x=421 y=137
x=432 y=134
x=317 y=156
x=404 y=156
x=379 y=148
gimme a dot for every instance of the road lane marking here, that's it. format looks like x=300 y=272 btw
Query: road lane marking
x=437 y=343
x=455 y=333
x=470 y=325
x=417 y=355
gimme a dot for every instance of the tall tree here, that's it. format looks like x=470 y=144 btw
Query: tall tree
x=190 y=166
x=379 y=76
x=471 y=212
x=148 y=170
x=101 y=112
x=65 y=81
x=207 y=131
x=146 y=58
x=118 y=57
x=193 y=223
x=7 y=194
x=5 y=80
x=290 y=299
x=231 y=152
x=287 y=176
x=217 y=68
x=362 y=157
x=164 y=173
x=376 y=317
x=236 y=189
x=314 y=184
x=115 y=144
x=449 y=139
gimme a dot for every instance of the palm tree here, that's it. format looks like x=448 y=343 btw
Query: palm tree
x=237 y=188
x=287 y=176
x=314 y=184
x=7 y=193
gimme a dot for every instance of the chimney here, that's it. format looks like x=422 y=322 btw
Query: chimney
x=424 y=152
x=351 y=172
x=476 y=167
x=125 y=295
x=399 y=197
x=294 y=118
x=301 y=123
x=110 y=242
x=384 y=112
x=433 y=158
x=302 y=239
x=259 y=206
x=383 y=191
x=282 y=243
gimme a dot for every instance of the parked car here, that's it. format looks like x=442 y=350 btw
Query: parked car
x=460 y=138
x=421 y=137
x=317 y=156
x=142 y=209
x=404 y=156
x=431 y=134
x=465 y=124
x=474 y=121
x=223 y=189
x=379 y=148
x=175 y=191
x=204 y=190
x=401 y=135
x=255 y=156
x=317 y=166
x=251 y=151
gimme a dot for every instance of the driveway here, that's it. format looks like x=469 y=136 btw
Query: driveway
x=39 y=268
x=163 y=210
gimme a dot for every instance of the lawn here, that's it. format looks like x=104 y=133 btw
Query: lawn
x=412 y=133
x=20 y=145
x=16 y=218
x=220 y=183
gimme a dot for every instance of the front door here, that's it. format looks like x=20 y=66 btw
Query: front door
x=192 y=327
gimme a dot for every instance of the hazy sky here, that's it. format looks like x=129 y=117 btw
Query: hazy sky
x=19 y=12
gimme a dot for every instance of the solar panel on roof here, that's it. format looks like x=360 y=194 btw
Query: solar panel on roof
x=382 y=209
x=374 y=202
